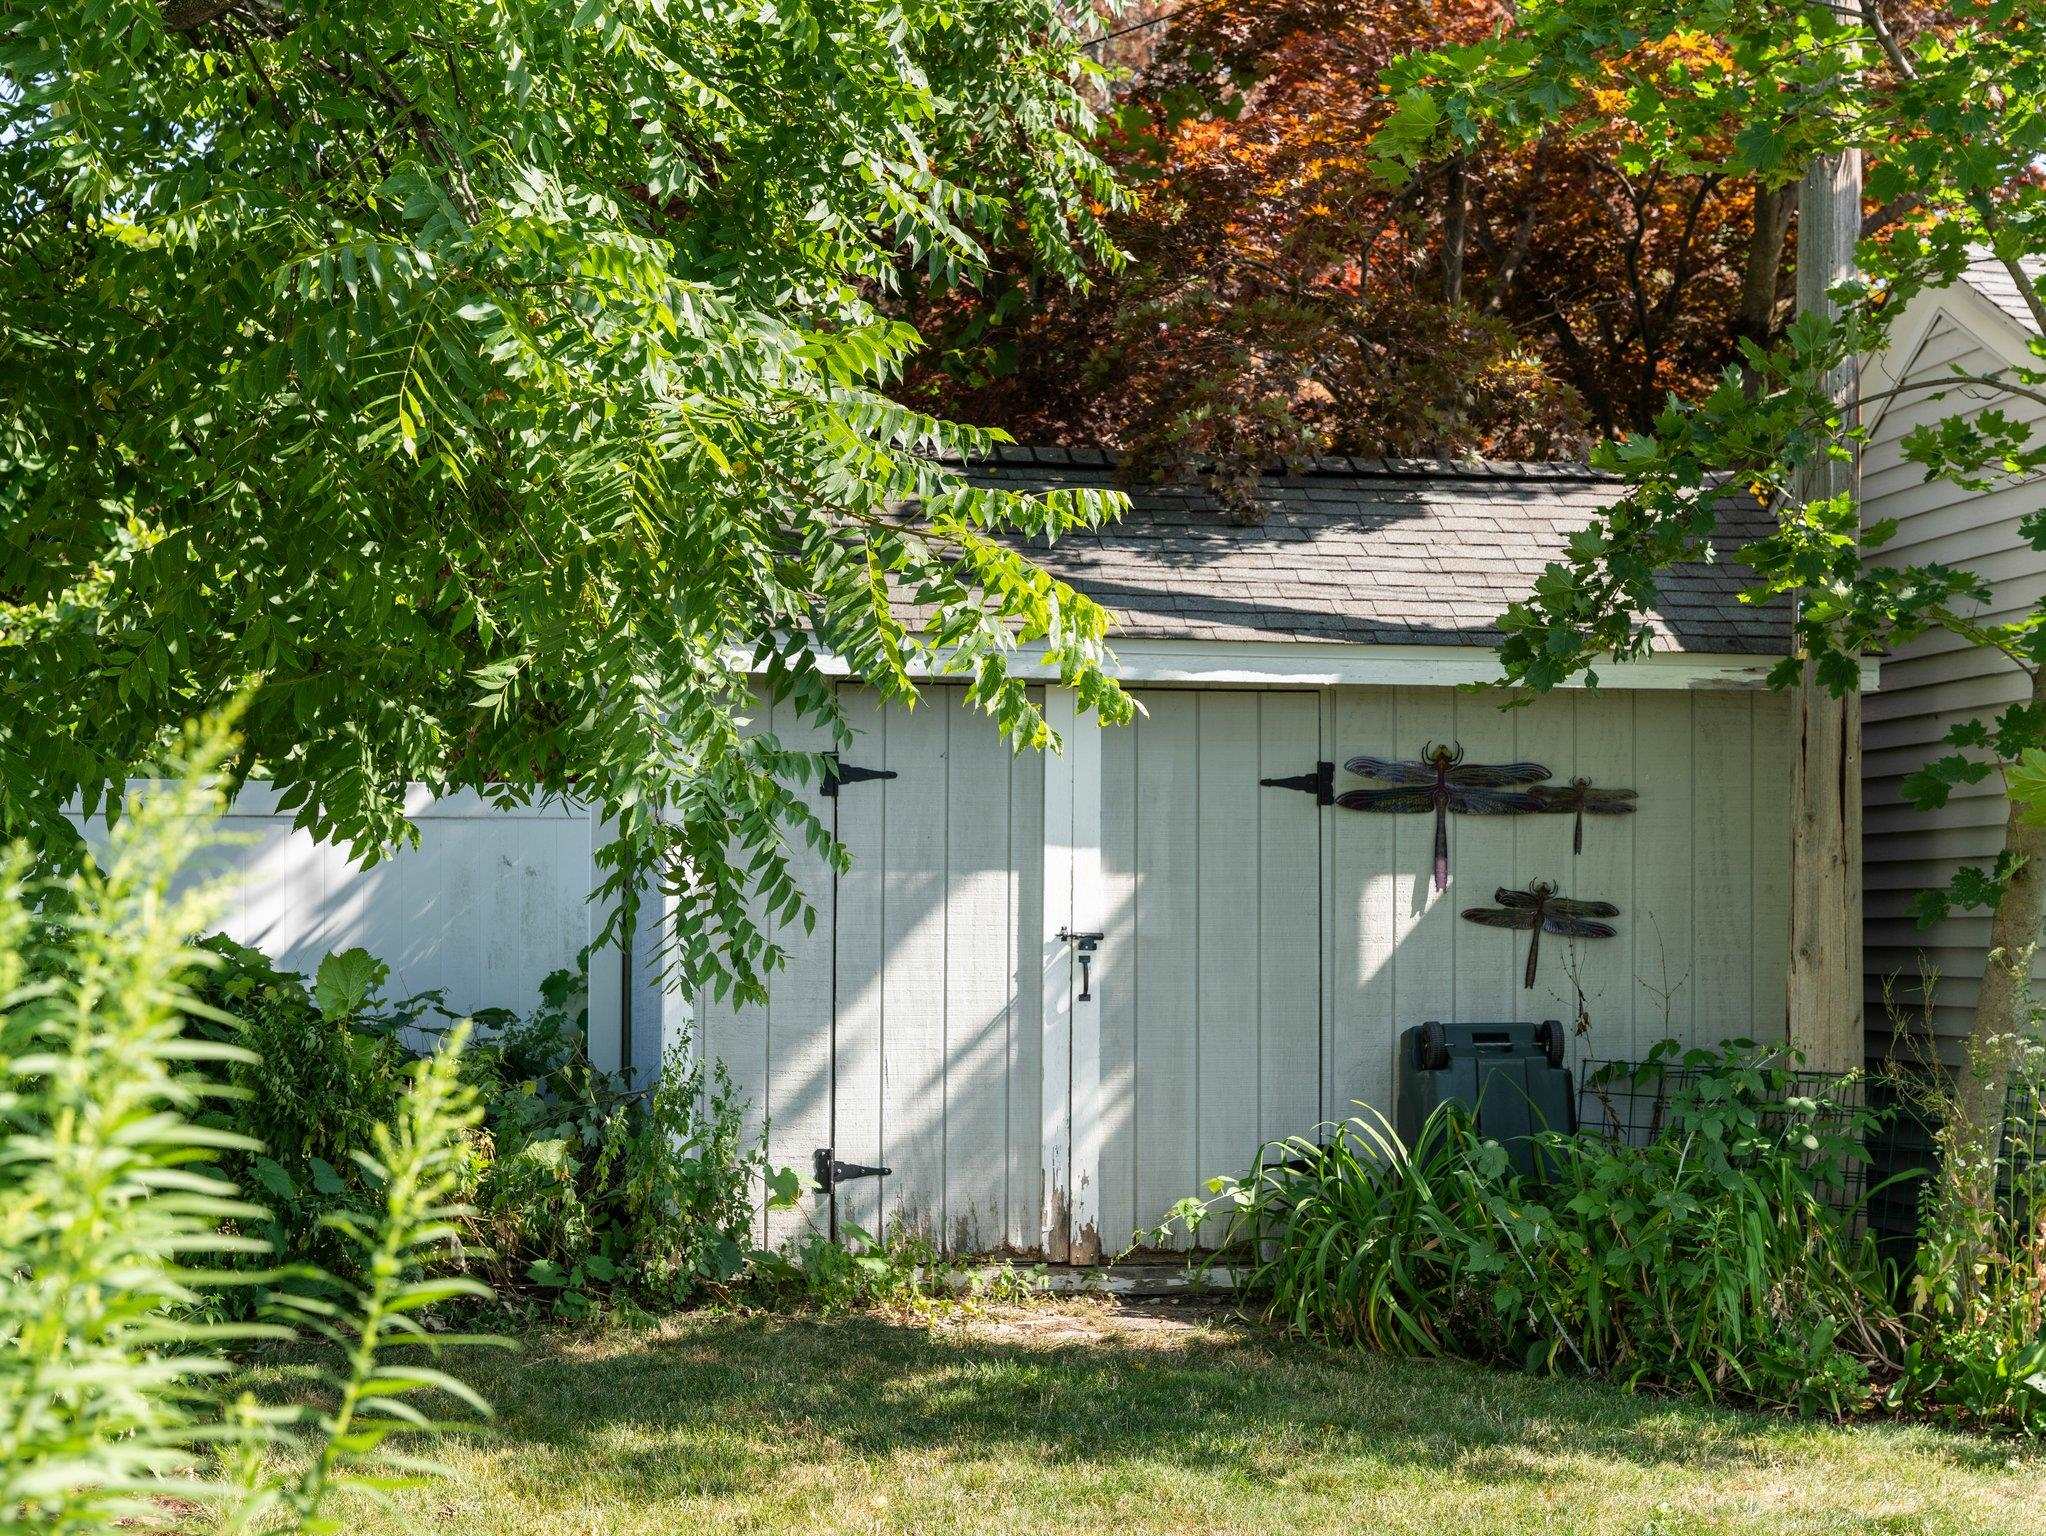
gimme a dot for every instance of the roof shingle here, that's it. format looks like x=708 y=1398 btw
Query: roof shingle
x=1402 y=553
x=1990 y=278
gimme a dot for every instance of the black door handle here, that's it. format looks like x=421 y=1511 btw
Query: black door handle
x=1084 y=945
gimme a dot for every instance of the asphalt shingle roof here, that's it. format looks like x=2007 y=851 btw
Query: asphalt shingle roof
x=1381 y=552
x=1990 y=278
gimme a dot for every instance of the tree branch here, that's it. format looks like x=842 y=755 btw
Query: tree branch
x=1900 y=61
x=1961 y=380
x=1986 y=210
x=1902 y=206
x=185 y=15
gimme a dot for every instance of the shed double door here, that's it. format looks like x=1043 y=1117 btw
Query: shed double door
x=1210 y=977
x=897 y=1035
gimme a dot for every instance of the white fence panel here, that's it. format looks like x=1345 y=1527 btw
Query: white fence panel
x=487 y=904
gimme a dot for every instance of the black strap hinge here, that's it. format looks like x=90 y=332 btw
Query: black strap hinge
x=1321 y=783
x=831 y=1173
x=837 y=773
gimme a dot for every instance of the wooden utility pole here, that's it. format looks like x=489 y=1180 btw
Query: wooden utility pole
x=1825 y=983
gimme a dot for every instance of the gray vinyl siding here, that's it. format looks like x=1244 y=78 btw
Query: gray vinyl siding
x=1927 y=687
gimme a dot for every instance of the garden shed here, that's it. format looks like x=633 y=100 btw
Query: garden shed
x=1056 y=995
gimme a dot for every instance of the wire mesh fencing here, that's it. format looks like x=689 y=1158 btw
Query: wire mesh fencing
x=1892 y=1119
x=1634 y=1101
x=1904 y=1153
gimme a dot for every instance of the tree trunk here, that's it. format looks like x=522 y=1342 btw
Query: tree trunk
x=2002 y=1008
x=1755 y=318
x=1456 y=217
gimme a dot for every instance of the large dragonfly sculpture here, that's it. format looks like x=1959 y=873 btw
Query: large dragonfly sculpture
x=1441 y=781
x=1539 y=910
x=1582 y=797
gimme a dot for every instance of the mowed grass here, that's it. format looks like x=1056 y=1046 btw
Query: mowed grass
x=1076 y=1417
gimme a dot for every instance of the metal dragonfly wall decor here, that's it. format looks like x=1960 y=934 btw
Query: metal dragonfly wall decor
x=1441 y=781
x=1583 y=798
x=1539 y=910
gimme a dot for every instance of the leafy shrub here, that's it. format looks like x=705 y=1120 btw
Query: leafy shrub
x=1714 y=1255
x=689 y=1181
x=587 y=1189
x=110 y=1191
x=1978 y=1287
x=856 y=1273
x=323 y=1067
x=582 y=1189
x=1708 y=1258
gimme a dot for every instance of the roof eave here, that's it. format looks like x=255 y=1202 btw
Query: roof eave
x=1302 y=663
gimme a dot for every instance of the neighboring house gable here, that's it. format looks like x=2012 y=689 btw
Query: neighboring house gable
x=1977 y=327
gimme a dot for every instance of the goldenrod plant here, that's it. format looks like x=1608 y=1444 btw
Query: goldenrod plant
x=115 y=1220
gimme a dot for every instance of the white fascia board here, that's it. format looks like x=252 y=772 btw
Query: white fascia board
x=1328 y=664
x=1988 y=323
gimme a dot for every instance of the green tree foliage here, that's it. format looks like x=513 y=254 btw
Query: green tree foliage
x=484 y=386
x=1952 y=119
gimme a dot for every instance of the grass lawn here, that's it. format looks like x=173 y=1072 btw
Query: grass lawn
x=1078 y=1417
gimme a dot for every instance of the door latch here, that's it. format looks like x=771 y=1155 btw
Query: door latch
x=1084 y=945
x=831 y=1173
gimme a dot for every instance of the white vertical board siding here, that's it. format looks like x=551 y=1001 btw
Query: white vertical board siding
x=487 y=904
x=1210 y=972
x=1227 y=927
x=1485 y=963
x=1023 y=1190
x=1289 y=917
x=1546 y=732
x=1367 y=897
x=945 y=1034
x=1722 y=871
x=1217 y=887
x=1697 y=874
x=1656 y=924
x=1262 y=953
x=910 y=1042
x=903 y=1031
x=1121 y=985
x=1603 y=751
x=778 y=1054
x=1928 y=686
x=859 y=929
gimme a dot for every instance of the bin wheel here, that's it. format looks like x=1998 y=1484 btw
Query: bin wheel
x=1549 y=1036
x=1431 y=1048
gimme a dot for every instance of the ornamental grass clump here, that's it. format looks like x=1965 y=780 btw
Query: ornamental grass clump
x=1711 y=1258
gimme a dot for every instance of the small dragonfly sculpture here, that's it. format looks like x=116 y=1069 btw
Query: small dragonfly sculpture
x=1583 y=798
x=1441 y=781
x=1539 y=910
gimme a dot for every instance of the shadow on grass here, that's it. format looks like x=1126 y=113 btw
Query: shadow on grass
x=713 y=1407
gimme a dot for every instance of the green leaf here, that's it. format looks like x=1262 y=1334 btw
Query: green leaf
x=546 y=1272
x=2025 y=781
x=346 y=981
x=273 y=1177
x=325 y=1179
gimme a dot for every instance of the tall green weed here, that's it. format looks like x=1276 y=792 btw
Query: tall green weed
x=117 y=1219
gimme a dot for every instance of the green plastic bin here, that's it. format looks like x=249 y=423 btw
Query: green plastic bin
x=1511 y=1076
